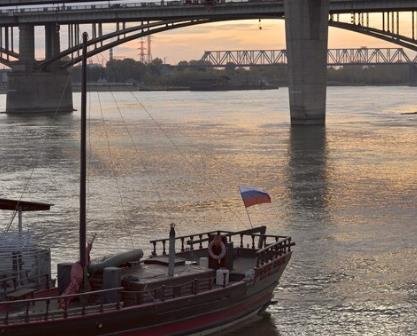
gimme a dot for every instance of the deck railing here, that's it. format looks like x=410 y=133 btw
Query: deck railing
x=254 y=238
x=57 y=307
x=273 y=251
x=189 y=240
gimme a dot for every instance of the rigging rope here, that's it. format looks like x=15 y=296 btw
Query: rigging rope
x=145 y=168
x=183 y=156
x=112 y=165
x=154 y=185
x=172 y=143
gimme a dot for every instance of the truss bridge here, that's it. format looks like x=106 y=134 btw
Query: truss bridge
x=335 y=57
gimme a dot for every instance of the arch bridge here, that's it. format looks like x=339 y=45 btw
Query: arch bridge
x=44 y=84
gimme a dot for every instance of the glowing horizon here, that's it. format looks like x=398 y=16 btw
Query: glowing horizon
x=191 y=42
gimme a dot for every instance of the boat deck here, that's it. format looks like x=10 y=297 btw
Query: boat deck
x=243 y=264
x=156 y=270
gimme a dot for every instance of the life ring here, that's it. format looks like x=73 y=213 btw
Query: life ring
x=217 y=256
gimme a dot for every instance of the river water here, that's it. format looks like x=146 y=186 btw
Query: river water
x=347 y=194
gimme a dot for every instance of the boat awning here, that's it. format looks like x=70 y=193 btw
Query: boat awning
x=8 y=204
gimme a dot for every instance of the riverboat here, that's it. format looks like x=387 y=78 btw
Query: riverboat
x=197 y=284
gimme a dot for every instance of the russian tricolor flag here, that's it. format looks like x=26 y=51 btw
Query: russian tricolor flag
x=252 y=196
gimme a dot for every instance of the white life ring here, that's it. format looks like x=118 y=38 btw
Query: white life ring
x=217 y=256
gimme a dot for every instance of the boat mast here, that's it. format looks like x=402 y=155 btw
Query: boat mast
x=83 y=159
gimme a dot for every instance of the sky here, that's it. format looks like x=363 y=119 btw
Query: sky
x=190 y=43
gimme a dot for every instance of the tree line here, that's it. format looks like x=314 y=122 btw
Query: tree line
x=190 y=73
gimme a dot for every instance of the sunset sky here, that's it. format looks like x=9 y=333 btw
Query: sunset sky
x=190 y=43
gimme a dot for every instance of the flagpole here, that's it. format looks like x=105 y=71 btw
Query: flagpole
x=250 y=222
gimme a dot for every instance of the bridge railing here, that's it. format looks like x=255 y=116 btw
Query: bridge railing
x=66 y=7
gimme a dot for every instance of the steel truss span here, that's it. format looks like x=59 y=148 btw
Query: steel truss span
x=335 y=57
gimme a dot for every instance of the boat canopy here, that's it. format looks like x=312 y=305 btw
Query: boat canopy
x=8 y=204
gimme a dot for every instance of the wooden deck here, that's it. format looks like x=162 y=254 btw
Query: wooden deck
x=243 y=264
x=149 y=271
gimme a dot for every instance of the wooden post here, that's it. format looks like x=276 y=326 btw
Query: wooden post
x=83 y=164
x=163 y=293
x=20 y=224
x=171 y=265
x=191 y=243
x=164 y=252
x=47 y=309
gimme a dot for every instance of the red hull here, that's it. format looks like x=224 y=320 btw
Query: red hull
x=205 y=321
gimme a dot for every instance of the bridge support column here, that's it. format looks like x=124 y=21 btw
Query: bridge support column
x=306 y=25
x=52 y=43
x=27 y=46
x=33 y=90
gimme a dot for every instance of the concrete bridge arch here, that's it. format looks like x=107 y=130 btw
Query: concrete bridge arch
x=105 y=42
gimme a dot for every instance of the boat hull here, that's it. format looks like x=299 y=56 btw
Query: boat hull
x=201 y=314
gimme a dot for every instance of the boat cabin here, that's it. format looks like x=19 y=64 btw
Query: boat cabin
x=25 y=267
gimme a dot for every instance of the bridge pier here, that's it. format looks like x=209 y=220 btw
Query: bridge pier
x=306 y=26
x=32 y=90
x=52 y=43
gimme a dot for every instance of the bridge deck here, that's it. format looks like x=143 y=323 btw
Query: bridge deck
x=110 y=12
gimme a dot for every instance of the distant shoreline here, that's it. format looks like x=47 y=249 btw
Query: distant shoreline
x=127 y=88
